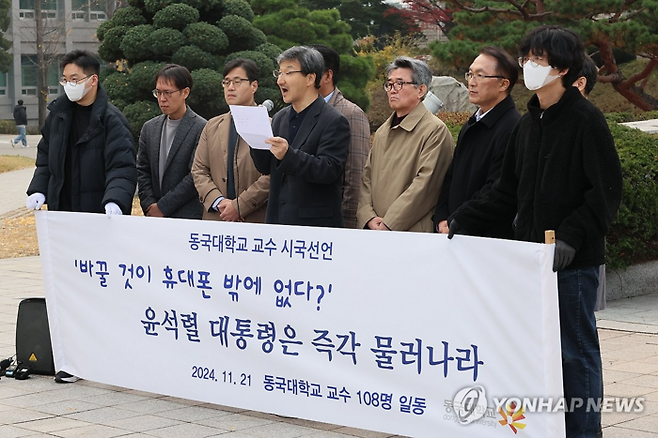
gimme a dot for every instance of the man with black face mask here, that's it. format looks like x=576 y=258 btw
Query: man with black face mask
x=560 y=172
x=86 y=156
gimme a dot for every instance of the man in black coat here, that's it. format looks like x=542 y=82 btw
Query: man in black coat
x=86 y=156
x=166 y=149
x=482 y=140
x=309 y=148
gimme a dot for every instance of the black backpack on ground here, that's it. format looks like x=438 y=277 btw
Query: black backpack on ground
x=33 y=346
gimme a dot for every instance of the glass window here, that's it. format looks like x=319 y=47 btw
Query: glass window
x=79 y=5
x=29 y=75
x=98 y=5
x=94 y=8
x=53 y=75
x=91 y=5
x=28 y=71
x=45 y=4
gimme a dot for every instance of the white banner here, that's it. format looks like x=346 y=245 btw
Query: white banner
x=405 y=333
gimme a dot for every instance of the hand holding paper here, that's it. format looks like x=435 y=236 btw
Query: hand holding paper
x=253 y=125
x=35 y=201
x=112 y=209
x=279 y=147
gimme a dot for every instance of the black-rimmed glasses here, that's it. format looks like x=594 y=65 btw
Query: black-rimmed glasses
x=397 y=85
x=236 y=82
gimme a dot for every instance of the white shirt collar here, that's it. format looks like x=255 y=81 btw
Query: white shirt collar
x=479 y=114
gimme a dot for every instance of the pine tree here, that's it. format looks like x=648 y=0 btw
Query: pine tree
x=201 y=35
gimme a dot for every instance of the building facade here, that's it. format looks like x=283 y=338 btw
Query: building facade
x=66 y=25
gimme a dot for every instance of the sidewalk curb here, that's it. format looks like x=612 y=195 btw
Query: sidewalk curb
x=636 y=280
x=627 y=327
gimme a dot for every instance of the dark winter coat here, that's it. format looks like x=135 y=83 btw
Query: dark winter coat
x=561 y=172
x=20 y=115
x=306 y=186
x=476 y=164
x=103 y=160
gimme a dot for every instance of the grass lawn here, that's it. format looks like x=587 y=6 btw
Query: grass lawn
x=14 y=162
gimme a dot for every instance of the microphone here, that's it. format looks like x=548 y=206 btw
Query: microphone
x=269 y=105
x=432 y=103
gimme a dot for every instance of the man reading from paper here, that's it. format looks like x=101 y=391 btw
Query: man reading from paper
x=309 y=148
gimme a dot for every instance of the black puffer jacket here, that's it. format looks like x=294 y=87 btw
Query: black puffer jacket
x=103 y=159
x=20 y=115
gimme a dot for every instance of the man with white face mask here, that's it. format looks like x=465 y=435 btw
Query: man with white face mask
x=560 y=172
x=86 y=156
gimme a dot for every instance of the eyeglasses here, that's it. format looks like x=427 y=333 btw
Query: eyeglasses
x=236 y=82
x=479 y=76
x=397 y=86
x=63 y=81
x=167 y=93
x=535 y=61
x=278 y=73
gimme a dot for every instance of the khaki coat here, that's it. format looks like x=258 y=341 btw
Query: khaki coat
x=403 y=176
x=209 y=171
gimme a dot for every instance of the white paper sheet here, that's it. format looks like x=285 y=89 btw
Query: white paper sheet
x=253 y=125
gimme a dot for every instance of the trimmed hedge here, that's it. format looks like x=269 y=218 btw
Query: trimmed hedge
x=631 y=117
x=9 y=127
x=633 y=237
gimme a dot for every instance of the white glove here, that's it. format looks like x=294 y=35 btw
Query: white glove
x=35 y=201
x=111 y=208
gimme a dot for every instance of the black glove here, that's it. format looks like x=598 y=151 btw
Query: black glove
x=564 y=255
x=453 y=228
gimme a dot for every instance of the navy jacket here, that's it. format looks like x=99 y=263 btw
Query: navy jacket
x=103 y=159
x=306 y=186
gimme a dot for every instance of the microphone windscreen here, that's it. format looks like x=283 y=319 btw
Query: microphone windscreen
x=269 y=105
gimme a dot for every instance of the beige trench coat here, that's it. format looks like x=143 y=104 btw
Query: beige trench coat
x=403 y=176
x=209 y=171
